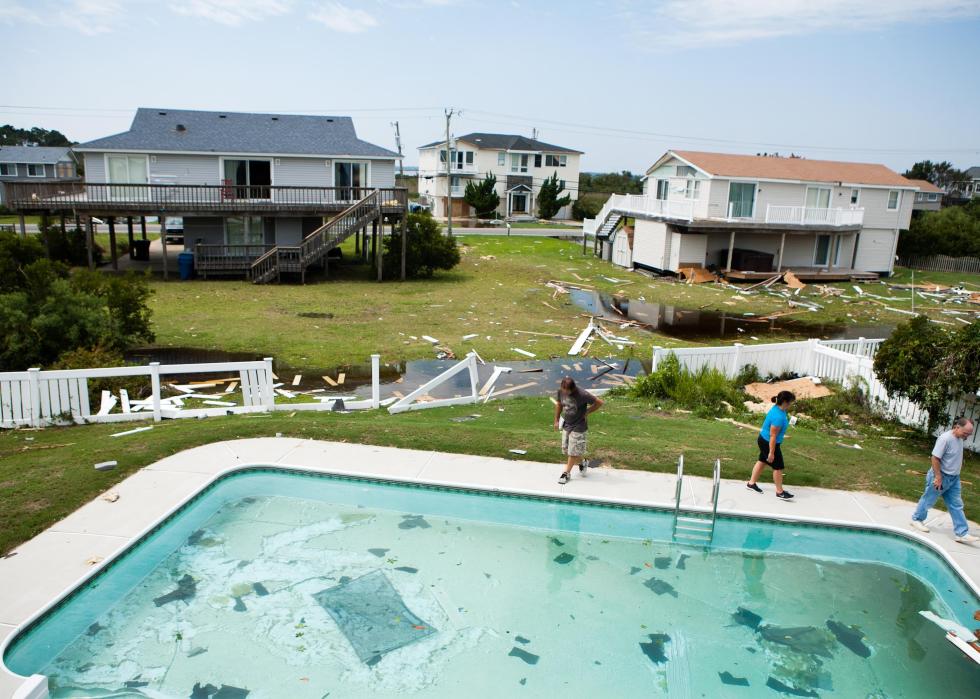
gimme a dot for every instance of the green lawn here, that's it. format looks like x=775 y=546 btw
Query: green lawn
x=46 y=474
x=7 y=219
x=491 y=298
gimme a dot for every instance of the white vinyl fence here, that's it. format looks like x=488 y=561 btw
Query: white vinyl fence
x=36 y=398
x=847 y=362
x=942 y=263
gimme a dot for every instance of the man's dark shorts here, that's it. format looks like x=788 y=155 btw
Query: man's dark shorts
x=777 y=462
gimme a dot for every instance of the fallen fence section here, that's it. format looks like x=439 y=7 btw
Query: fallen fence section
x=847 y=362
x=36 y=398
x=412 y=402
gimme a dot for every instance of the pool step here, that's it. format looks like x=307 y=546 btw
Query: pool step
x=695 y=526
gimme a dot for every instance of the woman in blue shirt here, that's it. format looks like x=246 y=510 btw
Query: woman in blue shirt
x=770 y=437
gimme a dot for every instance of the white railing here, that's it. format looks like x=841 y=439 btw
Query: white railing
x=36 y=398
x=589 y=226
x=638 y=205
x=804 y=215
x=848 y=362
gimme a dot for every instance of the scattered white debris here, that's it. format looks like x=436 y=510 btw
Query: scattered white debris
x=524 y=352
x=430 y=339
x=106 y=465
x=518 y=451
x=220 y=403
x=133 y=431
x=111 y=496
x=470 y=337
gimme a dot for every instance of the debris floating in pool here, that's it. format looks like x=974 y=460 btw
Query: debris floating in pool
x=564 y=558
x=239 y=605
x=773 y=683
x=521 y=639
x=413 y=522
x=729 y=678
x=260 y=589
x=682 y=562
x=850 y=637
x=186 y=588
x=747 y=618
x=380 y=553
x=529 y=658
x=661 y=562
x=407 y=569
x=803 y=639
x=372 y=615
x=655 y=647
x=661 y=587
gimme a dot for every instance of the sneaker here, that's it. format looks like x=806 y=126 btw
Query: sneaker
x=564 y=478
x=921 y=526
x=968 y=539
x=785 y=495
x=583 y=467
x=753 y=486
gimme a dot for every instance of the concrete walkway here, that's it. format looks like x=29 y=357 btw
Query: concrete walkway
x=40 y=570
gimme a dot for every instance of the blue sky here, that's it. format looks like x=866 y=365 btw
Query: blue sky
x=890 y=81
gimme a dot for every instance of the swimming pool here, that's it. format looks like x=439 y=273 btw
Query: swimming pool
x=274 y=583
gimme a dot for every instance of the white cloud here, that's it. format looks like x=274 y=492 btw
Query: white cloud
x=342 y=18
x=90 y=17
x=12 y=12
x=696 y=23
x=231 y=12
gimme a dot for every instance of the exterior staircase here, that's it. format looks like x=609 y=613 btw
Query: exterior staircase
x=316 y=246
x=609 y=225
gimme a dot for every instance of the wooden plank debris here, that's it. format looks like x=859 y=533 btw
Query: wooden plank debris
x=124 y=399
x=108 y=403
x=329 y=380
x=341 y=377
x=297 y=379
x=231 y=387
x=221 y=403
x=519 y=387
x=579 y=343
x=133 y=431
x=524 y=352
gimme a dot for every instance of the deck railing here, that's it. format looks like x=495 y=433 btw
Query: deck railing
x=191 y=198
x=805 y=215
x=227 y=259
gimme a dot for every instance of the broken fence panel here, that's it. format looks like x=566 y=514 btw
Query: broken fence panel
x=408 y=402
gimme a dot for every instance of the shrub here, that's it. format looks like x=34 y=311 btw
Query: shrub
x=585 y=207
x=69 y=247
x=16 y=253
x=705 y=392
x=482 y=196
x=549 y=203
x=88 y=358
x=904 y=361
x=428 y=249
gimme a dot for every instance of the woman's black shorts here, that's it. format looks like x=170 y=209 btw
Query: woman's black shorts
x=777 y=462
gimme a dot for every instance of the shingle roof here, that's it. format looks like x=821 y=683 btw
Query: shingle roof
x=973 y=172
x=239 y=132
x=501 y=141
x=803 y=169
x=34 y=154
x=925 y=186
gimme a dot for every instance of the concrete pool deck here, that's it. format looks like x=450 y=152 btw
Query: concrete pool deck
x=42 y=569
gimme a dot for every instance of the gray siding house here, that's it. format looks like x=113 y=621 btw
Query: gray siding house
x=35 y=164
x=244 y=183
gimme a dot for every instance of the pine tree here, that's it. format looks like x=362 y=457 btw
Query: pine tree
x=482 y=196
x=549 y=203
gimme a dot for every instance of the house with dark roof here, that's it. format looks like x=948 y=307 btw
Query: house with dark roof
x=35 y=164
x=754 y=215
x=258 y=193
x=970 y=188
x=520 y=165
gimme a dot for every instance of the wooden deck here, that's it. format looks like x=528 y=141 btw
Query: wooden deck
x=806 y=274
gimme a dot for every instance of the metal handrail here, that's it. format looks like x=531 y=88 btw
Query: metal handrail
x=680 y=479
x=715 y=490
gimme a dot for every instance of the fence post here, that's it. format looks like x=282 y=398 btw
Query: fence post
x=657 y=349
x=861 y=344
x=812 y=358
x=474 y=375
x=268 y=395
x=155 y=390
x=736 y=355
x=375 y=381
x=32 y=378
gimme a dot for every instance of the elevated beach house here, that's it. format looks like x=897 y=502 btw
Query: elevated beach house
x=520 y=164
x=752 y=215
x=260 y=194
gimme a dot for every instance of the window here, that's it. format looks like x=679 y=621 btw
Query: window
x=8 y=169
x=741 y=199
x=35 y=170
x=933 y=196
x=537 y=160
x=501 y=158
x=442 y=155
x=855 y=196
x=562 y=160
x=556 y=160
x=894 y=197
x=518 y=162
x=127 y=168
x=663 y=189
x=469 y=157
x=244 y=230
x=919 y=196
x=64 y=170
x=252 y=178
x=685 y=171
x=692 y=189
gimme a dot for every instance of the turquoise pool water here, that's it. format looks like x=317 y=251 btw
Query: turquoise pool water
x=277 y=584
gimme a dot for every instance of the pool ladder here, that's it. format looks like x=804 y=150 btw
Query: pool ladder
x=695 y=526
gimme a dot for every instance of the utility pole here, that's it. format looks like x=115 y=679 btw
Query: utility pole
x=449 y=178
x=398 y=142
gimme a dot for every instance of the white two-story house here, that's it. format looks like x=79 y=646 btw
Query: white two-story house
x=520 y=165
x=759 y=214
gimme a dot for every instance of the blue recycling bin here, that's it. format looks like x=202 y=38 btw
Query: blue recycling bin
x=185 y=263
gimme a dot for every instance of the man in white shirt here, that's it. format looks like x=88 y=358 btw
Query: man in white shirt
x=944 y=479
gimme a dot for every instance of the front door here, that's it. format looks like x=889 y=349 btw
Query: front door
x=518 y=203
x=821 y=255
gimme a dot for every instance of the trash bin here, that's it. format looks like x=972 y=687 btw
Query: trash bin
x=185 y=262
x=140 y=251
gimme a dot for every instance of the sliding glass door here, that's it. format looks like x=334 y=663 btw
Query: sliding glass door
x=351 y=178
x=244 y=230
x=817 y=205
x=741 y=199
x=123 y=169
x=250 y=179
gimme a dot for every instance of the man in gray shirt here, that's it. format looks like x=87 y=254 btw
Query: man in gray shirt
x=944 y=479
